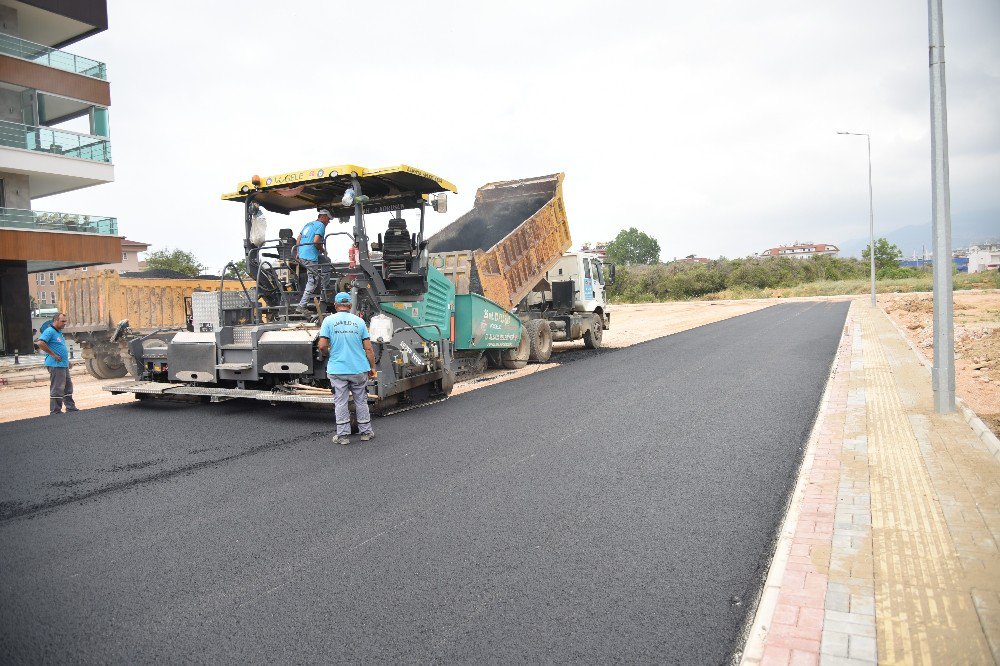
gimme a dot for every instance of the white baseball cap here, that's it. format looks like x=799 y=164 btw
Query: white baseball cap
x=323 y=211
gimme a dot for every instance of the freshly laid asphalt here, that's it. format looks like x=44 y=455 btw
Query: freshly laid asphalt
x=619 y=507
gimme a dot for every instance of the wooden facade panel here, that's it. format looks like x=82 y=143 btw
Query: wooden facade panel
x=55 y=81
x=47 y=246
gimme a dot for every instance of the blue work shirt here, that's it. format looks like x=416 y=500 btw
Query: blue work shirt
x=347 y=351
x=308 y=249
x=57 y=343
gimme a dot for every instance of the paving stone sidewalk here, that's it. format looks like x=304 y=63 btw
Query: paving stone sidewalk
x=889 y=550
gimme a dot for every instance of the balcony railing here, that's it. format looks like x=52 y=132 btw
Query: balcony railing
x=57 y=142
x=37 y=220
x=44 y=55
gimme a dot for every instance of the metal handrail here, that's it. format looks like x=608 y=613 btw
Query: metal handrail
x=56 y=141
x=17 y=218
x=56 y=58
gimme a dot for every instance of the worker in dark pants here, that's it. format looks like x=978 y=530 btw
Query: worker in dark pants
x=351 y=365
x=52 y=342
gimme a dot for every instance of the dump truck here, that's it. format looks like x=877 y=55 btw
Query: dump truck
x=511 y=249
x=254 y=343
x=101 y=306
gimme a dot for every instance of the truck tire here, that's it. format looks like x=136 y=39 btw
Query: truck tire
x=595 y=334
x=539 y=340
x=107 y=367
x=517 y=357
x=132 y=366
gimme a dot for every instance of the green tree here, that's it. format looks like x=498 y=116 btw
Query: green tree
x=241 y=269
x=174 y=260
x=887 y=255
x=631 y=246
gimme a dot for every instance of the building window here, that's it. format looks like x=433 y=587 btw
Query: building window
x=38 y=278
x=84 y=268
x=124 y=256
x=53 y=295
x=52 y=278
x=41 y=296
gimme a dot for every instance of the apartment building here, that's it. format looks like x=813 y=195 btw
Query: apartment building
x=42 y=285
x=985 y=257
x=798 y=250
x=54 y=138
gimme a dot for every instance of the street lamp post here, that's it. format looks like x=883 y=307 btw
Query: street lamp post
x=871 y=211
x=943 y=374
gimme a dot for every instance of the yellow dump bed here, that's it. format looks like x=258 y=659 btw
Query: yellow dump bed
x=98 y=301
x=503 y=247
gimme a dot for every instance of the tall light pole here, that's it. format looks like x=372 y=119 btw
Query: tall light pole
x=943 y=375
x=871 y=211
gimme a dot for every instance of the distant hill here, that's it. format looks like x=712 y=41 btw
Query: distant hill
x=966 y=230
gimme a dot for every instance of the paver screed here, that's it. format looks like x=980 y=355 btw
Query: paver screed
x=893 y=555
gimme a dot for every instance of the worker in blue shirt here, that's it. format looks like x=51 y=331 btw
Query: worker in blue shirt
x=311 y=254
x=351 y=365
x=52 y=342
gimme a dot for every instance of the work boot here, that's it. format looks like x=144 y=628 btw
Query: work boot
x=368 y=436
x=340 y=439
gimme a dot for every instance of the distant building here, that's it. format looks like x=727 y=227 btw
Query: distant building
x=695 y=260
x=799 y=250
x=599 y=248
x=42 y=285
x=984 y=258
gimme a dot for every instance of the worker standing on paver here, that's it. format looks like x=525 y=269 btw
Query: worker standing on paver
x=52 y=342
x=351 y=365
x=311 y=255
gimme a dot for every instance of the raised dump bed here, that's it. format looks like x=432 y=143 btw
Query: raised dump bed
x=501 y=249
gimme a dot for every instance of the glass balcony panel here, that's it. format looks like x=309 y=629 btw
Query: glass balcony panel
x=59 y=142
x=44 y=55
x=38 y=220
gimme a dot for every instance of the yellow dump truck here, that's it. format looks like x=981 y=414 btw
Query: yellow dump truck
x=512 y=248
x=103 y=305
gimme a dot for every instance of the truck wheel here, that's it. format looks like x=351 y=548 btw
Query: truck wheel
x=107 y=367
x=540 y=340
x=517 y=357
x=592 y=338
x=132 y=366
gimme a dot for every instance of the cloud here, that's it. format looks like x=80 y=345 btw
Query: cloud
x=709 y=125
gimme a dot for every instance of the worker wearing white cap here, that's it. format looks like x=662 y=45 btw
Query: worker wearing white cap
x=311 y=254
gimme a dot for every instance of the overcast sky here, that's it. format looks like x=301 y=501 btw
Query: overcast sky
x=709 y=125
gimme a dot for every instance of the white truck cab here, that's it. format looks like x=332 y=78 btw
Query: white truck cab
x=572 y=299
x=586 y=271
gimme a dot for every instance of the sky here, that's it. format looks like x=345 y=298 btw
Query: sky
x=710 y=126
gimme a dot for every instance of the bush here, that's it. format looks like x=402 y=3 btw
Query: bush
x=756 y=277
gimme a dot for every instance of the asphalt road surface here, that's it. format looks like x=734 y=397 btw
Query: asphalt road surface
x=620 y=507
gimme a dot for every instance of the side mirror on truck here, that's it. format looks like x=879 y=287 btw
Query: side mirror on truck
x=609 y=274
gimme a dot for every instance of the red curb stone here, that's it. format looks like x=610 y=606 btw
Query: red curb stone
x=776 y=656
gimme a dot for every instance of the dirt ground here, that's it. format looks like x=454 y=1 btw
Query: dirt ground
x=977 y=343
x=630 y=324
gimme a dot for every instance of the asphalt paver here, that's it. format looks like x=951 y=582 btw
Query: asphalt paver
x=618 y=507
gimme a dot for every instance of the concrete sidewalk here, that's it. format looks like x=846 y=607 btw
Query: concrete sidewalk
x=888 y=553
